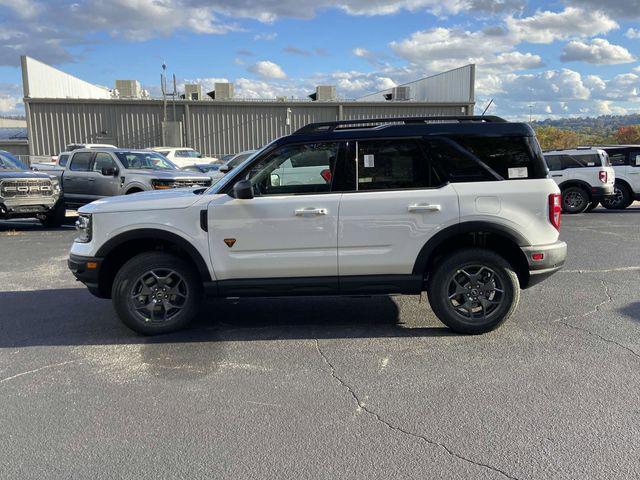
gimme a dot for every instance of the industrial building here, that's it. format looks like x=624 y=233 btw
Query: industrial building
x=62 y=109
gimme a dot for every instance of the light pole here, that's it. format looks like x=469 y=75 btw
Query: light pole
x=530 y=112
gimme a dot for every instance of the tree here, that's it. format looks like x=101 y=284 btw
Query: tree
x=628 y=135
x=552 y=138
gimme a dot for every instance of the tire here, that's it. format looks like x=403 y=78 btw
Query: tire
x=134 y=190
x=575 y=200
x=135 y=285
x=56 y=217
x=620 y=199
x=463 y=266
x=592 y=206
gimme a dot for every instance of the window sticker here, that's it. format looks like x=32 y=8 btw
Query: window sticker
x=591 y=164
x=520 y=172
x=637 y=160
x=369 y=161
x=365 y=180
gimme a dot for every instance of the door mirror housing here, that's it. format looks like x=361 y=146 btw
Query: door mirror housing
x=109 y=171
x=224 y=168
x=243 y=190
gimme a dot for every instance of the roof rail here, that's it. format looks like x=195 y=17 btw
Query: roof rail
x=331 y=126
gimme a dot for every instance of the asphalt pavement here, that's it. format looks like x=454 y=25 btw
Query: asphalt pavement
x=324 y=388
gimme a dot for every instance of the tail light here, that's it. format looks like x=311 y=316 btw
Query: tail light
x=326 y=174
x=555 y=209
x=603 y=176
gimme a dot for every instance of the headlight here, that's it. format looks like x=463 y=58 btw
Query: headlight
x=162 y=184
x=55 y=185
x=84 y=227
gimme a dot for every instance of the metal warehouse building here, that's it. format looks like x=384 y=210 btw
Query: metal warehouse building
x=62 y=109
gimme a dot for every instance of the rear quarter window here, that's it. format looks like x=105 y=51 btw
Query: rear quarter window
x=512 y=158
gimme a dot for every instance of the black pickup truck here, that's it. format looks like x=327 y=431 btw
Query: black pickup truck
x=27 y=194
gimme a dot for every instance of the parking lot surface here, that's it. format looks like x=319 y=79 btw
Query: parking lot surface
x=324 y=387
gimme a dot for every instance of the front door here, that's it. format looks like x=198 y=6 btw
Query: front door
x=104 y=185
x=289 y=229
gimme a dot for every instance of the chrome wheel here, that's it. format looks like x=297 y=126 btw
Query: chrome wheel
x=475 y=292
x=159 y=295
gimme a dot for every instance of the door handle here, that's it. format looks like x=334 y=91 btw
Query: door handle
x=556 y=175
x=303 y=212
x=424 y=208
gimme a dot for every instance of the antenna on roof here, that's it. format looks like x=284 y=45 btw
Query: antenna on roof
x=487 y=108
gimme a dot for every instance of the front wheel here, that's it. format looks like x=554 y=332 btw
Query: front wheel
x=156 y=293
x=620 y=199
x=56 y=216
x=473 y=291
x=575 y=200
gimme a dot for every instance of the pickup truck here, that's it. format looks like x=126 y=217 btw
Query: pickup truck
x=27 y=194
x=92 y=174
x=58 y=164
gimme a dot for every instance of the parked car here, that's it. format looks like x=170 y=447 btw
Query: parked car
x=27 y=194
x=625 y=160
x=584 y=175
x=232 y=163
x=184 y=156
x=59 y=163
x=92 y=174
x=202 y=167
x=463 y=210
x=75 y=146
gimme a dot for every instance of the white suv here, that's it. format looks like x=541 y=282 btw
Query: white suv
x=584 y=176
x=184 y=156
x=462 y=208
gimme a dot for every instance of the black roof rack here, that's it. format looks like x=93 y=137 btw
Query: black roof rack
x=323 y=127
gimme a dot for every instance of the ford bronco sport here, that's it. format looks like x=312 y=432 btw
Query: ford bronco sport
x=460 y=207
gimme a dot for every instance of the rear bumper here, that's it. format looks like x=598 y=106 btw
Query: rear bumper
x=87 y=271
x=544 y=261
x=598 y=193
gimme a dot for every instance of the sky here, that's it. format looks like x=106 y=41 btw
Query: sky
x=549 y=58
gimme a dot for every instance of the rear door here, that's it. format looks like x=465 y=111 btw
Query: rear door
x=397 y=202
x=75 y=182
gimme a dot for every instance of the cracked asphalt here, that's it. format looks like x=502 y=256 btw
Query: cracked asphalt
x=324 y=388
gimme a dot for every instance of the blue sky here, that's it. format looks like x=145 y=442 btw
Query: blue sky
x=570 y=57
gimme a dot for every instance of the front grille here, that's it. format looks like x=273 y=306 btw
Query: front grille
x=191 y=183
x=25 y=188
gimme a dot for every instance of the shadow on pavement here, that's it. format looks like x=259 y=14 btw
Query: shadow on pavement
x=632 y=311
x=34 y=225
x=64 y=317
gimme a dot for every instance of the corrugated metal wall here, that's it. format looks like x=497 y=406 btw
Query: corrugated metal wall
x=214 y=128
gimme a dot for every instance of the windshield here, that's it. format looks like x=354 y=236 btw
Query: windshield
x=145 y=161
x=9 y=162
x=188 y=154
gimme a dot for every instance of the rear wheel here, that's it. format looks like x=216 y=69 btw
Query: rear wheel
x=575 y=200
x=156 y=292
x=473 y=291
x=620 y=199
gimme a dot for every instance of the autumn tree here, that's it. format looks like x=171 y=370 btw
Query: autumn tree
x=628 y=135
x=552 y=138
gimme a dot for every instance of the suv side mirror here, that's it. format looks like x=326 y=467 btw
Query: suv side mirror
x=109 y=171
x=224 y=168
x=243 y=190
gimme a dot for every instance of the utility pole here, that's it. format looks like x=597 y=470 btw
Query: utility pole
x=530 y=112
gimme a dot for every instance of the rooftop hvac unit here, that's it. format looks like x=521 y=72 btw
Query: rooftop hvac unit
x=129 y=88
x=222 y=91
x=193 y=91
x=398 y=94
x=324 y=93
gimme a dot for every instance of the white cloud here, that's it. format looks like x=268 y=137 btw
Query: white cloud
x=632 y=33
x=547 y=27
x=268 y=69
x=621 y=9
x=599 y=52
x=265 y=36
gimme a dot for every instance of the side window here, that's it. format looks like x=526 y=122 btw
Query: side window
x=510 y=157
x=617 y=159
x=554 y=162
x=292 y=169
x=569 y=161
x=393 y=165
x=80 y=162
x=62 y=161
x=634 y=159
x=455 y=165
x=103 y=160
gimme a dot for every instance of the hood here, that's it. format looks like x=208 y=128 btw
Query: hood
x=167 y=174
x=144 y=201
x=4 y=174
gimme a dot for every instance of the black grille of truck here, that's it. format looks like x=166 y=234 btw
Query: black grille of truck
x=25 y=188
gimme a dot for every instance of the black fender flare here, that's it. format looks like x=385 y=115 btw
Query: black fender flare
x=443 y=236
x=157 y=234
x=576 y=183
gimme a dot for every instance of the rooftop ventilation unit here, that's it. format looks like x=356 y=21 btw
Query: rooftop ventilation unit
x=324 y=93
x=221 y=91
x=193 y=91
x=129 y=88
x=399 y=94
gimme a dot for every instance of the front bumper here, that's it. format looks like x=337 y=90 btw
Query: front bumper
x=544 y=261
x=21 y=207
x=87 y=271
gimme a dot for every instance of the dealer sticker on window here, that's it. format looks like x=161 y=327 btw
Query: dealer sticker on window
x=368 y=161
x=520 y=172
